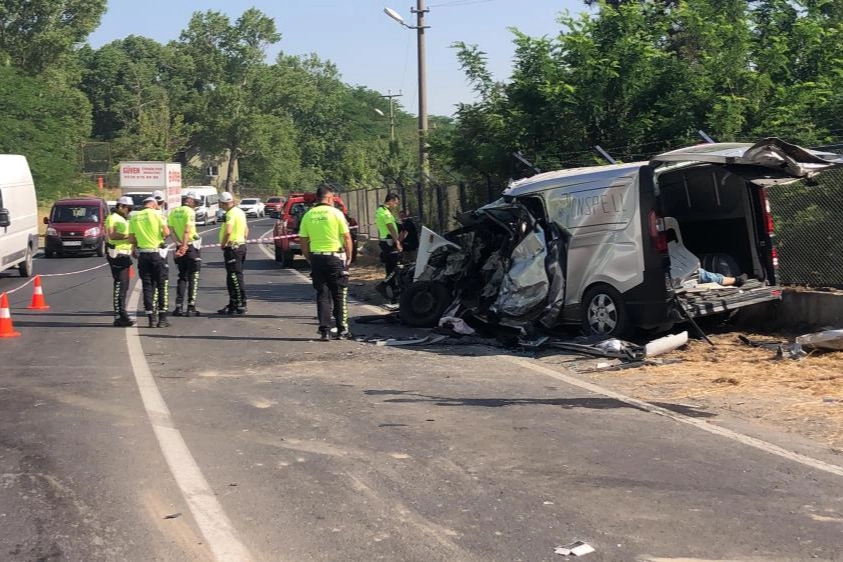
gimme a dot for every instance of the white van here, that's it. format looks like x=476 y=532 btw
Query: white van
x=18 y=215
x=208 y=204
x=614 y=248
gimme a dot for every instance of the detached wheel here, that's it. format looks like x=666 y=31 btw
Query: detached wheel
x=25 y=267
x=604 y=313
x=423 y=303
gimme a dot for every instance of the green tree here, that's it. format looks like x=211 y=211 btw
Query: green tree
x=44 y=122
x=35 y=34
x=228 y=59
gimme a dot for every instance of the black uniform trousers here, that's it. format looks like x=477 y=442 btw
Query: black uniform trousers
x=154 y=273
x=234 y=258
x=188 y=285
x=390 y=257
x=330 y=279
x=120 y=273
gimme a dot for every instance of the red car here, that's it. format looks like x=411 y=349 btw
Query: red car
x=286 y=231
x=274 y=204
x=76 y=226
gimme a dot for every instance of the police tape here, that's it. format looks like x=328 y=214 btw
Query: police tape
x=264 y=240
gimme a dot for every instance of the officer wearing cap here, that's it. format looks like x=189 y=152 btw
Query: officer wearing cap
x=233 y=234
x=147 y=232
x=161 y=200
x=182 y=221
x=390 y=243
x=327 y=247
x=120 y=257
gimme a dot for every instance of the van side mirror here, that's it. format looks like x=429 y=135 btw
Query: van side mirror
x=47 y=220
x=5 y=219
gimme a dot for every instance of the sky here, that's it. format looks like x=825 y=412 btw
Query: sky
x=368 y=48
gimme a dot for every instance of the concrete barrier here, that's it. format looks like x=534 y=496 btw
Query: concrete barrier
x=799 y=310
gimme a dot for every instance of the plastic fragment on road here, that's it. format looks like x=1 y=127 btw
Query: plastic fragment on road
x=578 y=548
x=791 y=351
x=827 y=339
x=665 y=344
x=172 y=515
x=458 y=325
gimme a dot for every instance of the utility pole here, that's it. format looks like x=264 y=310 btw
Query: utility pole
x=421 y=12
x=391 y=97
x=424 y=164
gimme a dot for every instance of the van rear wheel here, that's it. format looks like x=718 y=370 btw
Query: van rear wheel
x=25 y=267
x=604 y=313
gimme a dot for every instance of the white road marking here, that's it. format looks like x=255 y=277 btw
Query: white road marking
x=699 y=424
x=215 y=525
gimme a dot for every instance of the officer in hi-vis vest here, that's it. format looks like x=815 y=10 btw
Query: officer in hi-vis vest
x=188 y=254
x=120 y=258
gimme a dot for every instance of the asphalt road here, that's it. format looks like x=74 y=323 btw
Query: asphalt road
x=260 y=443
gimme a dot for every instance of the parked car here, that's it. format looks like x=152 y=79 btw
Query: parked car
x=253 y=207
x=207 y=206
x=287 y=244
x=76 y=226
x=18 y=215
x=615 y=248
x=274 y=204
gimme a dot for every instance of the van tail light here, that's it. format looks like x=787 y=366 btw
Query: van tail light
x=658 y=237
x=767 y=212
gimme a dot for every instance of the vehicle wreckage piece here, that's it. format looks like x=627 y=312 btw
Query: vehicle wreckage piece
x=524 y=287
x=828 y=339
x=665 y=344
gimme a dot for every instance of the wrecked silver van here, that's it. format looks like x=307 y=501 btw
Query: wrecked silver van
x=614 y=248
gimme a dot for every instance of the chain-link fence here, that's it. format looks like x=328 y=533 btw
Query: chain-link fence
x=809 y=229
x=435 y=206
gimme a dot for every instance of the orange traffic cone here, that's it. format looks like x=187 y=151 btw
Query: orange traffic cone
x=6 y=328
x=38 y=302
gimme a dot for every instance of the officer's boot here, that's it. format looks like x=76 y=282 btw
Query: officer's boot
x=162 y=320
x=191 y=311
x=151 y=317
x=178 y=311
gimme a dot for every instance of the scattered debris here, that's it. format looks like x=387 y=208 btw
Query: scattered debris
x=578 y=548
x=758 y=343
x=665 y=344
x=790 y=351
x=457 y=325
x=172 y=516
x=401 y=342
x=828 y=339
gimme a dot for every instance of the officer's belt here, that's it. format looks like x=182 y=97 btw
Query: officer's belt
x=335 y=254
x=148 y=250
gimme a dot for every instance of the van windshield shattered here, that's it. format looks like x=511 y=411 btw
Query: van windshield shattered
x=76 y=214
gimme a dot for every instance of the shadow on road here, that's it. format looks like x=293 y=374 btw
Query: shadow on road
x=567 y=403
x=222 y=338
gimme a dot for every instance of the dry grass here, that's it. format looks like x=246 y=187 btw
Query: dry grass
x=366 y=272
x=806 y=396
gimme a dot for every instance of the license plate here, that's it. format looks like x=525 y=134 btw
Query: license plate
x=73 y=243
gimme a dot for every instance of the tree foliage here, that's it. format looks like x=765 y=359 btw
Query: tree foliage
x=638 y=77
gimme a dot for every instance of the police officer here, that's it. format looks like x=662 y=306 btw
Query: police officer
x=390 y=242
x=326 y=245
x=188 y=257
x=147 y=232
x=120 y=257
x=233 y=234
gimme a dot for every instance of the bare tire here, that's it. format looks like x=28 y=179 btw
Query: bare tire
x=423 y=303
x=101 y=249
x=604 y=313
x=25 y=267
